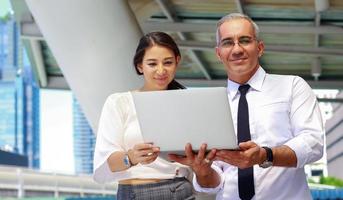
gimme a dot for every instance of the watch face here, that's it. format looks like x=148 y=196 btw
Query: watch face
x=127 y=161
x=266 y=164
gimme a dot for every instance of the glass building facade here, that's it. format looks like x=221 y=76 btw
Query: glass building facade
x=19 y=107
x=19 y=97
x=84 y=141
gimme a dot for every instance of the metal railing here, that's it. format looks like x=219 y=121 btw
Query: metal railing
x=23 y=182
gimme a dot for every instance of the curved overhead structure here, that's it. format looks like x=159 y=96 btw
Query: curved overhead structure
x=302 y=38
x=93 y=43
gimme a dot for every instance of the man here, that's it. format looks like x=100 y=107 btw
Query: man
x=278 y=121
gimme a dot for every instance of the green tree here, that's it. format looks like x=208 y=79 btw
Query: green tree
x=6 y=18
x=331 y=181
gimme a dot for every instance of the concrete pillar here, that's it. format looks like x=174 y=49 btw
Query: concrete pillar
x=93 y=43
x=20 y=190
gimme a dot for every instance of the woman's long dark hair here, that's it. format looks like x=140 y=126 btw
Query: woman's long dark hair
x=162 y=39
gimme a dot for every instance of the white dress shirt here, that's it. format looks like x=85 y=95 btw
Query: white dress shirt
x=283 y=110
x=119 y=131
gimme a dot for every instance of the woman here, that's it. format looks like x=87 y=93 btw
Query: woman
x=120 y=153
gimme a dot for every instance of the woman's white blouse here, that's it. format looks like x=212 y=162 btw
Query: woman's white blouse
x=119 y=131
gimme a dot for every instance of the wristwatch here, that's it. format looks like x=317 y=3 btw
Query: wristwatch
x=269 y=161
x=126 y=161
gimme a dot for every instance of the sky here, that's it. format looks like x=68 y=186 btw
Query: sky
x=4 y=7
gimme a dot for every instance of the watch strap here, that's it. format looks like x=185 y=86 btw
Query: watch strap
x=269 y=154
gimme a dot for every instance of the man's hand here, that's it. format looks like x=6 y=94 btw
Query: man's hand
x=200 y=164
x=248 y=155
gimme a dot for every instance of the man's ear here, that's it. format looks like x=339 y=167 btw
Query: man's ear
x=218 y=53
x=140 y=68
x=260 y=48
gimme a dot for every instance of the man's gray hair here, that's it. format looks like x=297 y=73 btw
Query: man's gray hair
x=232 y=16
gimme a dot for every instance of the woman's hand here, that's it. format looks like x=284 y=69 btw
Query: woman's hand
x=143 y=153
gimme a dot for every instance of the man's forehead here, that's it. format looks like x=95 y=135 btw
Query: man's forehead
x=236 y=28
x=237 y=20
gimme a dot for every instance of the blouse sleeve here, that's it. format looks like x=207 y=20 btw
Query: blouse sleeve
x=109 y=138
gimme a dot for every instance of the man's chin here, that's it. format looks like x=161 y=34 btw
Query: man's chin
x=239 y=68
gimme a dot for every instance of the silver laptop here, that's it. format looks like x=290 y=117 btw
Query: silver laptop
x=172 y=118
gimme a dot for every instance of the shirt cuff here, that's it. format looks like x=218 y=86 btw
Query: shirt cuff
x=198 y=188
x=301 y=149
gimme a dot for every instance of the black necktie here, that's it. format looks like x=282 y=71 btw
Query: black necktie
x=245 y=176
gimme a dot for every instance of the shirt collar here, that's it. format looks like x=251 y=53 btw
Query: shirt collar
x=255 y=82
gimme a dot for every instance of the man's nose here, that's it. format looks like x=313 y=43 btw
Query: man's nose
x=237 y=49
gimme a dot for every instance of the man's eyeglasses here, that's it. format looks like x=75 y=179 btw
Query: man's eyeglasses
x=242 y=41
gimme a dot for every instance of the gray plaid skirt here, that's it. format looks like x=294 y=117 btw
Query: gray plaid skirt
x=176 y=189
